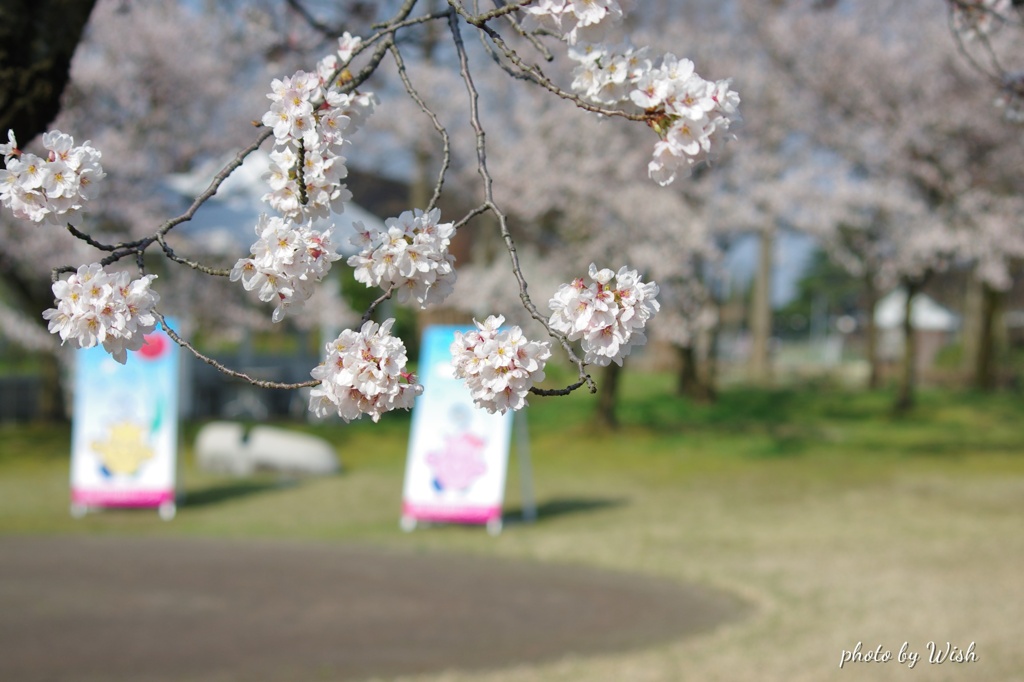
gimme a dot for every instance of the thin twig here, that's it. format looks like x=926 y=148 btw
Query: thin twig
x=214 y=185
x=501 y=10
x=530 y=37
x=403 y=12
x=89 y=240
x=479 y=210
x=373 y=306
x=559 y=391
x=481 y=153
x=261 y=383
x=205 y=269
x=534 y=73
x=446 y=142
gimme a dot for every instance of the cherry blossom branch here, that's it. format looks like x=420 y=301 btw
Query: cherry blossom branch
x=88 y=239
x=564 y=391
x=481 y=153
x=502 y=10
x=123 y=250
x=530 y=37
x=534 y=73
x=373 y=306
x=478 y=211
x=212 y=188
x=195 y=265
x=114 y=257
x=261 y=383
x=350 y=83
x=403 y=12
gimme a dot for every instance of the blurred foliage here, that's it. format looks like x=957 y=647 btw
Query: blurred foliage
x=16 y=360
x=824 y=289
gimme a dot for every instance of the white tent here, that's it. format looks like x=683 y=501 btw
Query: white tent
x=925 y=313
x=934 y=327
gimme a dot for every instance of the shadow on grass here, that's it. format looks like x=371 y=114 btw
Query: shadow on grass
x=564 y=506
x=218 y=494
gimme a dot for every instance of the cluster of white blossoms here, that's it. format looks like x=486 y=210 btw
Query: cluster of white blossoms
x=286 y=262
x=310 y=118
x=97 y=307
x=49 y=189
x=607 y=315
x=363 y=373
x=410 y=254
x=577 y=20
x=499 y=365
x=690 y=114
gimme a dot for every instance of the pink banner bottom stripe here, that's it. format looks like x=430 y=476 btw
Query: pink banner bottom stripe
x=121 y=498
x=441 y=513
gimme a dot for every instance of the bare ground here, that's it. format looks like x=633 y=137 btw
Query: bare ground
x=155 y=610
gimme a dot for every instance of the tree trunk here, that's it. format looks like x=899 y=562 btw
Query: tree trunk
x=871 y=332
x=690 y=384
x=761 y=312
x=908 y=371
x=711 y=365
x=607 y=396
x=970 y=331
x=984 y=363
x=51 y=407
x=37 y=40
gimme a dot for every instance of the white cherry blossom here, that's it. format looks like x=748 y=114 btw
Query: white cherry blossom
x=689 y=113
x=499 y=365
x=286 y=261
x=48 y=189
x=410 y=253
x=608 y=315
x=363 y=373
x=310 y=119
x=97 y=307
x=577 y=20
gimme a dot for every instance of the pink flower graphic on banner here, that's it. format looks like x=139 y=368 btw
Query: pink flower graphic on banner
x=459 y=463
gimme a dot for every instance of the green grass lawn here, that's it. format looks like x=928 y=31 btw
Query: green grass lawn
x=838 y=522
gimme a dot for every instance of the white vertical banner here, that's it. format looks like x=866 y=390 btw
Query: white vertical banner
x=124 y=432
x=458 y=453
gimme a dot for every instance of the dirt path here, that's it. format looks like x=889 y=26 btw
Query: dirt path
x=156 y=610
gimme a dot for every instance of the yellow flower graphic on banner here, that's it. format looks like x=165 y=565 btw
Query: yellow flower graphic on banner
x=124 y=449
